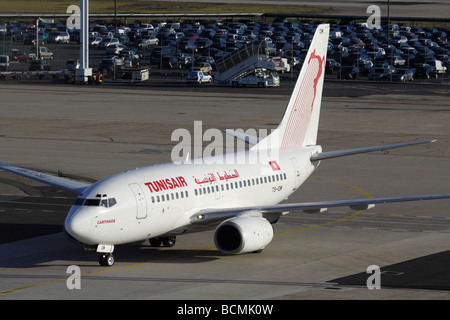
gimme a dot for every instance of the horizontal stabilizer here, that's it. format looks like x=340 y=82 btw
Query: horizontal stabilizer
x=249 y=139
x=348 y=152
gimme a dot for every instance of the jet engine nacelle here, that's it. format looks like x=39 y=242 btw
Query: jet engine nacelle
x=243 y=234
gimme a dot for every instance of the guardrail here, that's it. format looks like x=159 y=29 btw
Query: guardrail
x=19 y=75
x=216 y=15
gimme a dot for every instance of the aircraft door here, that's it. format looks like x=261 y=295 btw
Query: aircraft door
x=141 y=203
x=296 y=173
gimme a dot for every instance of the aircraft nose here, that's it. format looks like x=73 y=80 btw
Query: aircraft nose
x=77 y=225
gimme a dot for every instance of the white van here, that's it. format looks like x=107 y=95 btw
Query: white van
x=440 y=68
x=261 y=77
x=4 y=62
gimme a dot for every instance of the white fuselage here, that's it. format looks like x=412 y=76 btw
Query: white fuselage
x=157 y=200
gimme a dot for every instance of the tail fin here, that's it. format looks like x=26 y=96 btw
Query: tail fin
x=300 y=122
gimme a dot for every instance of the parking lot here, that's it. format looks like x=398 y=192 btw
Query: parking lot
x=355 y=52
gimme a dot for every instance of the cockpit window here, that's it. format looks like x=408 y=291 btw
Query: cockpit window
x=112 y=201
x=92 y=202
x=107 y=203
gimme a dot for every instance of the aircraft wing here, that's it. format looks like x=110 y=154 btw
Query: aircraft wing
x=59 y=182
x=273 y=212
x=347 y=152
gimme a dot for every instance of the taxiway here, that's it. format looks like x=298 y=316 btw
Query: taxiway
x=88 y=132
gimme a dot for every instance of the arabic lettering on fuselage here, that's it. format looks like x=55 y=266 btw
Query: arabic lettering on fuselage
x=211 y=178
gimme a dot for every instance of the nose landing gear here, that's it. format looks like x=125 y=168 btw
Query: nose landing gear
x=106 y=259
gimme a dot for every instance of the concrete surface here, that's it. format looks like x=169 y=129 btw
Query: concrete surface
x=93 y=131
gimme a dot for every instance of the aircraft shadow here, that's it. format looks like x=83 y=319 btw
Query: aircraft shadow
x=135 y=253
x=426 y=273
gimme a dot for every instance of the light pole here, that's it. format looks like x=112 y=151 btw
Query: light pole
x=389 y=35
x=115 y=16
x=84 y=73
x=389 y=21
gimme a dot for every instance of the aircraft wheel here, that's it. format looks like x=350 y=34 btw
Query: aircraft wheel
x=106 y=260
x=155 y=242
x=169 y=241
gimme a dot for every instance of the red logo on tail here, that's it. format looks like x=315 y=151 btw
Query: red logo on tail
x=319 y=73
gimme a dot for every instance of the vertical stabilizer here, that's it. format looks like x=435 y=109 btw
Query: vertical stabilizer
x=299 y=125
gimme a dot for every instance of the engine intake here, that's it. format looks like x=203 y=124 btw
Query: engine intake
x=243 y=234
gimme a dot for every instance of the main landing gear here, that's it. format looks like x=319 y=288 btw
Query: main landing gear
x=165 y=241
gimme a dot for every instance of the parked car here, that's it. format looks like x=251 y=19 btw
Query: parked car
x=169 y=62
x=380 y=74
x=20 y=56
x=44 y=53
x=108 y=63
x=115 y=49
x=403 y=75
x=207 y=59
x=145 y=43
x=108 y=42
x=332 y=66
x=203 y=66
x=72 y=65
x=59 y=37
x=198 y=77
x=95 y=41
x=396 y=60
x=185 y=61
x=39 y=65
x=350 y=73
x=31 y=39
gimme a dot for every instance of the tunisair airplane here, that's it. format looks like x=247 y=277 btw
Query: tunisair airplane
x=240 y=200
